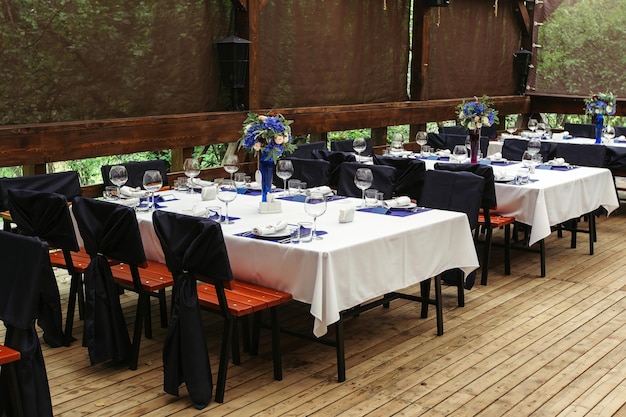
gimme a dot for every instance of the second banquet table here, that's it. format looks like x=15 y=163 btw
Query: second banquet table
x=355 y=262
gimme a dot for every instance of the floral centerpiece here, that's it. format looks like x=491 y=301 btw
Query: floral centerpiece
x=473 y=115
x=598 y=106
x=269 y=137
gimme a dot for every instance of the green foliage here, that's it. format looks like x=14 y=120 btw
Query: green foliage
x=583 y=48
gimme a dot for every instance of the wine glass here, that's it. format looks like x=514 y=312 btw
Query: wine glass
x=284 y=170
x=227 y=192
x=609 y=133
x=532 y=125
x=359 y=146
x=422 y=139
x=192 y=170
x=363 y=179
x=152 y=182
x=541 y=128
x=119 y=175
x=459 y=153
x=534 y=146
x=315 y=206
x=511 y=126
x=231 y=164
x=527 y=159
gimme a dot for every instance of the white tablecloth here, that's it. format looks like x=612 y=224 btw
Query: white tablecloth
x=355 y=262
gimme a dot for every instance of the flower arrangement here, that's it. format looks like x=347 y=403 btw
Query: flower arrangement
x=270 y=135
x=476 y=114
x=600 y=103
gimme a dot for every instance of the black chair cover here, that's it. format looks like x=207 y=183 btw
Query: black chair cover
x=135 y=172
x=108 y=230
x=410 y=175
x=335 y=158
x=314 y=172
x=305 y=150
x=449 y=141
x=581 y=130
x=620 y=130
x=191 y=246
x=456 y=191
x=66 y=183
x=384 y=179
x=513 y=149
x=616 y=158
x=489 y=191
x=26 y=271
x=587 y=155
x=345 y=145
x=489 y=132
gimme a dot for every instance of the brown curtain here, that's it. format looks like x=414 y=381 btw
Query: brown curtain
x=471 y=49
x=333 y=52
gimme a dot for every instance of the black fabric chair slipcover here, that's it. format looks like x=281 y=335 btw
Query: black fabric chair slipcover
x=25 y=273
x=193 y=248
x=335 y=158
x=578 y=154
x=108 y=230
x=384 y=179
x=345 y=145
x=581 y=129
x=135 y=172
x=449 y=141
x=456 y=191
x=489 y=191
x=489 y=132
x=410 y=175
x=66 y=183
x=305 y=150
x=616 y=158
x=620 y=130
x=513 y=149
x=315 y=172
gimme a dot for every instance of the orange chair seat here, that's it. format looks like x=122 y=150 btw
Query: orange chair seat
x=8 y=355
x=243 y=298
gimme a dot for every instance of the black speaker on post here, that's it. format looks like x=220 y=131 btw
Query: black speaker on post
x=437 y=3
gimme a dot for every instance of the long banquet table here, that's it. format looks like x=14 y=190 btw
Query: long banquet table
x=355 y=262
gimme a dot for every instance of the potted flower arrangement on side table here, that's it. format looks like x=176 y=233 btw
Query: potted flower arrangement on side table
x=473 y=115
x=269 y=137
x=598 y=106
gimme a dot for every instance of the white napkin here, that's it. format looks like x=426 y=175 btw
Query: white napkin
x=201 y=183
x=444 y=152
x=496 y=156
x=129 y=202
x=323 y=189
x=397 y=202
x=269 y=229
x=557 y=161
x=128 y=192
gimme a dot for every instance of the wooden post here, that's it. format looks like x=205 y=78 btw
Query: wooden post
x=419 y=65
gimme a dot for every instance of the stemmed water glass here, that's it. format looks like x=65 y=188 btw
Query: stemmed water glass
x=119 y=175
x=510 y=126
x=363 y=179
x=609 y=133
x=315 y=206
x=152 y=182
x=541 y=128
x=359 y=146
x=284 y=170
x=422 y=139
x=227 y=192
x=192 y=170
x=534 y=146
x=231 y=164
x=532 y=125
x=459 y=153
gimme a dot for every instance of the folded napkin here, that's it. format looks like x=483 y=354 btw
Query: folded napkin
x=496 y=156
x=557 y=162
x=129 y=202
x=397 y=202
x=129 y=192
x=269 y=229
x=323 y=189
x=201 y=183
x=444 y=153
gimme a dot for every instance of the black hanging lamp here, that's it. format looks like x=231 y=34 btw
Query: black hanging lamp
x=233 y=55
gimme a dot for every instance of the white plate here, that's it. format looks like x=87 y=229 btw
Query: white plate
x=409 y=206
x=254 y=186
x=505 y=179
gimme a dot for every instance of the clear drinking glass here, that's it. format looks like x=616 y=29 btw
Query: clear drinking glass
x=152 y=182
x=459 y=153
x=231 y=164
x=422 y=139
x=227 y=192
x=609 y=133
x=534 y=146
x=511 y=126
x=192 y=170
x=119 y=175
x=532 y=124
x=284 y=170
x=315 y=206
x=359 y=146
x=541 y=128
x=363 y=179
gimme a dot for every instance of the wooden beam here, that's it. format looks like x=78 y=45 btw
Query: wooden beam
x=523 y=18
x=254 y=65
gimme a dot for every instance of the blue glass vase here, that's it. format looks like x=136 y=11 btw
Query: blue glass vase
x=267 y=175
x=599 y=127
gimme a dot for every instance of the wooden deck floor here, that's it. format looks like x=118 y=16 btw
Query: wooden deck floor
x=522 y=345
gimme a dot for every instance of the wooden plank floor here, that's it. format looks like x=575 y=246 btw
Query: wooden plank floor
x=522 y=346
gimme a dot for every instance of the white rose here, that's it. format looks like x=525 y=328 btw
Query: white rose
x=262 y=118
x=279 y=140
x=486 y=121
x=256 y=146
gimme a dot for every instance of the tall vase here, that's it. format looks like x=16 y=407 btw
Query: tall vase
x=599 y=127
x=267 y=175
x=474 y=135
